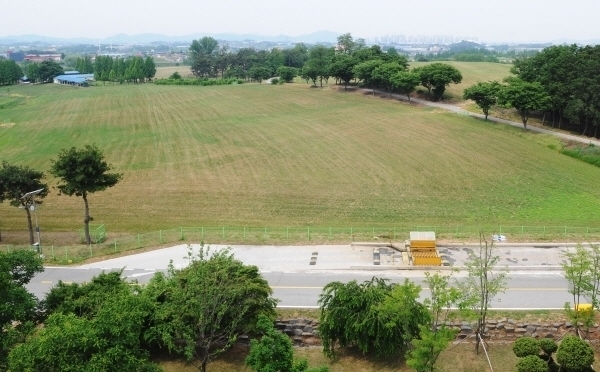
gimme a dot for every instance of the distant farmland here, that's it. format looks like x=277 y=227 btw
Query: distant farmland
x=262 y=155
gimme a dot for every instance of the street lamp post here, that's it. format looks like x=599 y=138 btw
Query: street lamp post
x=31 y=196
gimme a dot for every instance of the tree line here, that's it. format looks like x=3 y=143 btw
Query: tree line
x=10 y=72
x=134 y=69
x=561 y=83
x=348 y=61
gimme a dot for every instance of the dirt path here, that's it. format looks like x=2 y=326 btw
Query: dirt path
x=459 y=110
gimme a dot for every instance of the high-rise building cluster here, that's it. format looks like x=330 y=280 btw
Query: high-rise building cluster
x=418 y=39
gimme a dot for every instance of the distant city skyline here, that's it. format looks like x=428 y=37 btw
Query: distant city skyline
x=489 y=21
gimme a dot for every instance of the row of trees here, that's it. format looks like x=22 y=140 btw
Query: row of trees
x=134 y=69
x=10 y=72
x=349 y=61
x=569 y=76
x=80 y=172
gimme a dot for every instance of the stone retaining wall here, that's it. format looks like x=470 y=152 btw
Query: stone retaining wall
x=304 y=332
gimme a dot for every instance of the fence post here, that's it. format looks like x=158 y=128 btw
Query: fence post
x=159 y=236
x=181 y=228
x=52 y=248
x=373 y=232
x=66 y=255
x=139 y=242
x=91 y=251
x=244 y=233
x=330 y=233
x=309 y=233
x=565 y=231
x=223 y=232
x=265 y=234
x=202 y=232
x=287 y=234
x=115 y=245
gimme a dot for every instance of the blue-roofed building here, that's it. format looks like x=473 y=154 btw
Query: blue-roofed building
x=79 y=80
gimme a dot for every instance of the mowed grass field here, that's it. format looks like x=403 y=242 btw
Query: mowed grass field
x=472 y=72
x=264 y=155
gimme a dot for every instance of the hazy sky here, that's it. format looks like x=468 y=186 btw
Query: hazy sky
x=490 y=20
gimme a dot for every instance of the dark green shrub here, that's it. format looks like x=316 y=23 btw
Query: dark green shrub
x=548 y=346
x=532 y=363
x=574 y=355
x=526 y=346
x=175 y=76
x=274 y=81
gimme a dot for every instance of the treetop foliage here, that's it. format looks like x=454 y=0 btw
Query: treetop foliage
x=378 y=317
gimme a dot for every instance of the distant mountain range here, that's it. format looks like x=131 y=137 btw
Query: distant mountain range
x=315 y=37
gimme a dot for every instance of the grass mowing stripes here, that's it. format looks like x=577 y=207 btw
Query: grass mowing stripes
x=264 y=155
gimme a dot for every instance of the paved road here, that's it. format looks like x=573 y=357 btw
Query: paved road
x=534 y=282
x=527 y=289
x=460 y=110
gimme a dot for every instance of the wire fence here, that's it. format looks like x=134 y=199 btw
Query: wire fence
x=305 y=235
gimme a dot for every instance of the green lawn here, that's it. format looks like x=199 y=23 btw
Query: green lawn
x=472 y=72
x=263 y=155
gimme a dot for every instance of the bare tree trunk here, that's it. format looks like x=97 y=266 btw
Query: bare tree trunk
x=86 y=220
x=544 y=118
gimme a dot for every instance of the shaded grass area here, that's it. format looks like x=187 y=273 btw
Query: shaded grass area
x=457 y=358
x=262 y=155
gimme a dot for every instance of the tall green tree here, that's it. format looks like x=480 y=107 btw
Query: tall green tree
x=345 y=44
x=49 y=70
x=437 y=76
x=18 y=180
x=205 y=306
x=205 y=46
x=17 y=268
x=319 y=60
x=342 y=68
x=435 y=336
x=485 y=95
x=149 y=68
x=364 y=71
x=405 y=82
x=384 y=75
x=287 y=73
x=378 y=317
x=581 y=268
x=82 y=172
x=525 y=97
x=259 y=73
x=482 y=284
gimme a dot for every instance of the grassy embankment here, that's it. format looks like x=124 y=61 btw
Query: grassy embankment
x=262 y=155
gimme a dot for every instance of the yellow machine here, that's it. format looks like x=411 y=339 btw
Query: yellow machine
x=423 y=249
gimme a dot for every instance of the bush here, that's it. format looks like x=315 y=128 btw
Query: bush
x=526 y=346
x=203 y=82
x=532 y=363
x=175 y=76
x=274 y=81
x=574 y=355
x=548 y=346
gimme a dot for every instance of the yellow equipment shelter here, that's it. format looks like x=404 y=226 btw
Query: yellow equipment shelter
x=423 y=249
